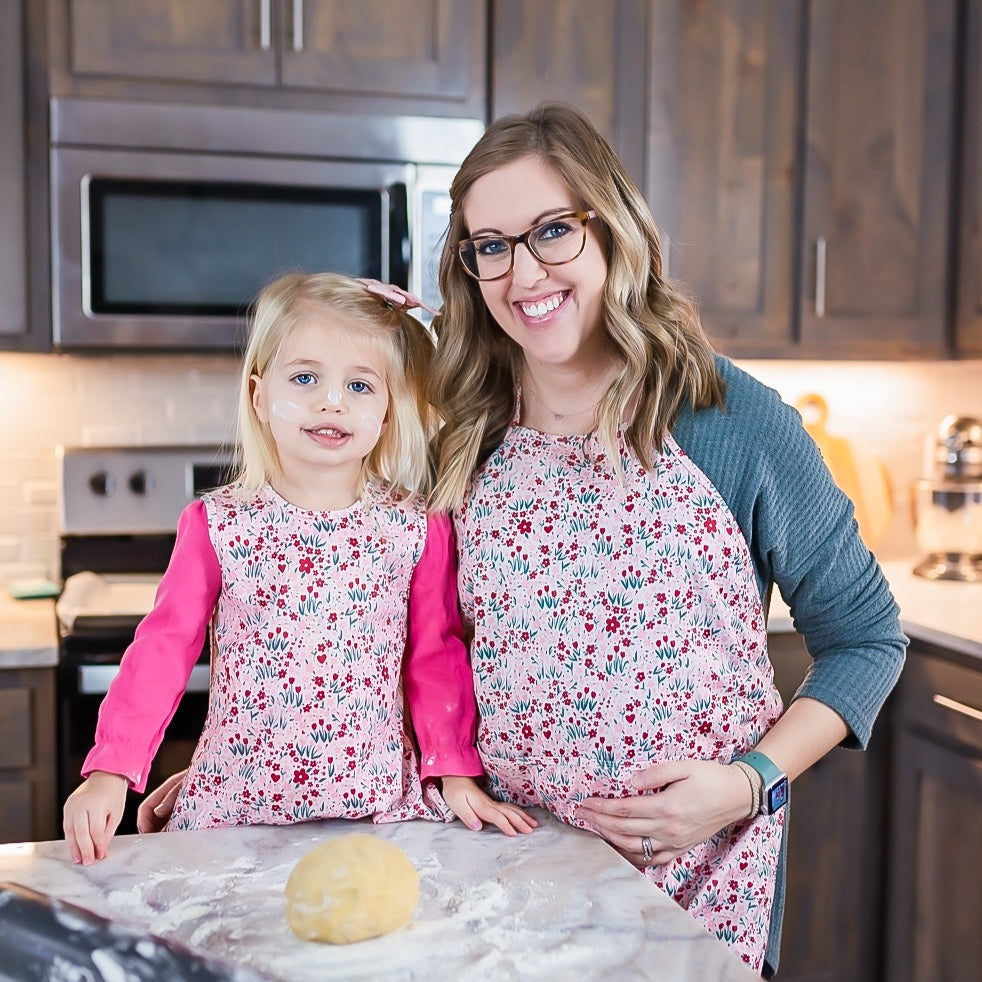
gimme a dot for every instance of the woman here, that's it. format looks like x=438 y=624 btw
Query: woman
x=624 y=502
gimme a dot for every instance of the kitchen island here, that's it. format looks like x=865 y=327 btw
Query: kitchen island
x=557 y=904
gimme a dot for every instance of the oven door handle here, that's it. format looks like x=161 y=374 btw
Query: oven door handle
x=93 y=680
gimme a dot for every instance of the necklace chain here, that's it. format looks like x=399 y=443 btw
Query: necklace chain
x=573 y=412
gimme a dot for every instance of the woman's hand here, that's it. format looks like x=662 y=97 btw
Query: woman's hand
x=395 y=296
x=92 y=814
x=473 y=805
x=696 y=799
x=155 y=809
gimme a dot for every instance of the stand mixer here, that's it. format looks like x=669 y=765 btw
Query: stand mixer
x=947 y=508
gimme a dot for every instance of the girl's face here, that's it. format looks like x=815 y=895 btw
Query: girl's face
x=553 y=312
x=324 y=398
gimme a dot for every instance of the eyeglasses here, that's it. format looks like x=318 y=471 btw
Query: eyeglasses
x=554 y=242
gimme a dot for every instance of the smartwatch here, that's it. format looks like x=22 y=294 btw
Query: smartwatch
x=775 y=792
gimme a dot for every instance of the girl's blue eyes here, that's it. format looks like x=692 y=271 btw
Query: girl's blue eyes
x=308 y=378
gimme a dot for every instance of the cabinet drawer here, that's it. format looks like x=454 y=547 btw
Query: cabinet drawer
x=943 y=697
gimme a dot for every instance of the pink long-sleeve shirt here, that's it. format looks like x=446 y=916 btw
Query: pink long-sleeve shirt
x=436 y=675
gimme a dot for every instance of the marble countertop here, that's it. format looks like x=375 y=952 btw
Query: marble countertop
x=559 y=903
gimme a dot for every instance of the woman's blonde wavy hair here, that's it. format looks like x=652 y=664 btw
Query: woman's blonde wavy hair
x=400 y=461
x=651 y=325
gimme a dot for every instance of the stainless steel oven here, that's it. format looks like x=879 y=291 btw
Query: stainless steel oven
x=119 y=509
x=167 y=220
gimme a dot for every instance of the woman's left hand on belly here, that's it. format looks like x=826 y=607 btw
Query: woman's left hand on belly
x=692 y=800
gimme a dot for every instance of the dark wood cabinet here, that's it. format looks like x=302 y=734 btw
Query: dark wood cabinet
x=800 y=165
x=591 y=53
x=416 y=56
x=836 y=854
x=935 y=888
x=879 y=109
x=28 y=808
x=13 y=175
x=723 y=123
x=968 y=322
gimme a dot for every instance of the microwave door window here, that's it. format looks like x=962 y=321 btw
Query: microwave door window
x=207 y=248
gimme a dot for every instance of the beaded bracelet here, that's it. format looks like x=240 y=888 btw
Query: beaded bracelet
x=756 y=786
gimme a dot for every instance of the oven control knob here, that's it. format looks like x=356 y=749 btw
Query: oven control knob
x=141 y=482
x=102 y=483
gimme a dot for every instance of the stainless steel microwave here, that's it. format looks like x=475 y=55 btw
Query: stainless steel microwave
x=167 y=220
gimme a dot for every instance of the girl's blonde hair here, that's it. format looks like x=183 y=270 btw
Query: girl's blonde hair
x=400 y=461
x=652 y=327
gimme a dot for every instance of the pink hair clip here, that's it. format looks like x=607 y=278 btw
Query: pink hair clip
x=395 y=296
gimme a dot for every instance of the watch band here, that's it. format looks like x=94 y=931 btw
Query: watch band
x=774 y=795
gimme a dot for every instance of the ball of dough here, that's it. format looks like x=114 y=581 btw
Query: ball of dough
x=351 y=888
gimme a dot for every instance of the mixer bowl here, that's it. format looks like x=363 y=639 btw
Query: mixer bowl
x=948 y=528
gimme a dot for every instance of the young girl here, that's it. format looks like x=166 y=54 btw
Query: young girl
x=328 y=592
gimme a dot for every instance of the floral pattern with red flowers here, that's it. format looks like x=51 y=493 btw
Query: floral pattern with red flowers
x=305 y=717
x=616 y=622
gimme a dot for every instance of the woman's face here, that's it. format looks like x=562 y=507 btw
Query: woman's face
x=552 y=312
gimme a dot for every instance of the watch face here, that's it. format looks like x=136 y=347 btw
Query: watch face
x=777 y=796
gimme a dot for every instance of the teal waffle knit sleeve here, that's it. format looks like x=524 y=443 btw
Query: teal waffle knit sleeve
x=803 y=537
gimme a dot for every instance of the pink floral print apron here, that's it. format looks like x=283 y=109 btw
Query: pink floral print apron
x=617 y=621
x=305 y=716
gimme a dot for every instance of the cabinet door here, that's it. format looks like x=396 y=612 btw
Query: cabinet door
x=587 y=52
x=13 y=269
x=880 y=99
x=968 y=337
x=416 y=50
x=28 y=810
x=722 y=130
x=184 y=40
x=935 y=891
x=832 y=913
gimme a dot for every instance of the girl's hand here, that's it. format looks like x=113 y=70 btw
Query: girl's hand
x=155 y=809
x=92 y=814
x=696 y=799
x=472 y=805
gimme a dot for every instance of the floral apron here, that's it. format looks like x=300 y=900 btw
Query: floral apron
x=617 y=621
x=305 y=717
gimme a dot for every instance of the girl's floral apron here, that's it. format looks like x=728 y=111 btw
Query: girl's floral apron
x=305 y=716
x=617 y=622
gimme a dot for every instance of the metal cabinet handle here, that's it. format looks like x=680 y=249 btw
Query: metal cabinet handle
x=821 y=247
x=298 y=25
x=958 y=707
x=265 y=25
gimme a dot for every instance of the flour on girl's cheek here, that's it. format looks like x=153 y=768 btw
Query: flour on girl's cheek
x=285 y=409
x=372 y=424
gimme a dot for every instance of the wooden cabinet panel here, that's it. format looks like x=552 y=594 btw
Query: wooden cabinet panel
x=415 y=56
x=832 y=912
x=28 y=806
x=13 y=269
x=722 y=125
x=228 y=41
x=934 y=890
x=429 y=48
x=587 y=52
x=879 y=135
x=968 y=327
